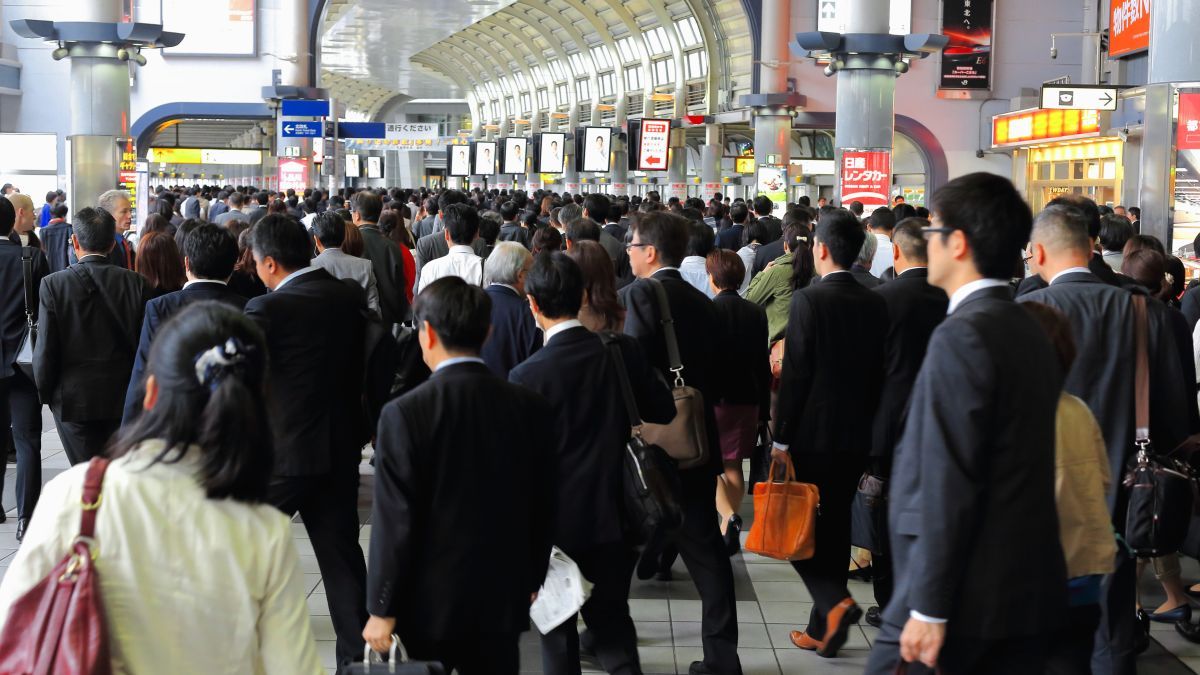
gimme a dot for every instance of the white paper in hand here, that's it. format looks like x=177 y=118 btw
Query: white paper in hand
x=563 y=592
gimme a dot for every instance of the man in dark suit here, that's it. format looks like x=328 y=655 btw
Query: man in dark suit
x=768 y=253
x=56 y=238
x=511 y=230
x=915 y=309
x=425 y=226
x=578 y=377
x=434 y=245
x=465 y=510
x=385 y=259
x=1099 y=268
x=616 y=224
x=209 y=254
x=831 y=381
x=19 y=405
x=514 y=336
x=87 y=338
x=1102 y=375
x=314 y=325
x=258 y=206
x=731 y=237
x=658 y=245
x=763 y=208
x=980 y=431
x=218 y=206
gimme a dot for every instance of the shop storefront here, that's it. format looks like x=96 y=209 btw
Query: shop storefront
x=1058 y=152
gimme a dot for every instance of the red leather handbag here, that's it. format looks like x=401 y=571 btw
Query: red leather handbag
x=58 y=626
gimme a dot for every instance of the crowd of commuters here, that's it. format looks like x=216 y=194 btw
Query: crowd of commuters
x=235 y=353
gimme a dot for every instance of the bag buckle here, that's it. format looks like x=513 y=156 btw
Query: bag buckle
x=678 y=376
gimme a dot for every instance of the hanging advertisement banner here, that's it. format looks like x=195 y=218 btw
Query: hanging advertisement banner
x=772 y=184
x=653 y=145
x=413 y=136
x=1129 y=27
x=967 y=58
x=293 y=174
x=1185 y=223
x=866 y=177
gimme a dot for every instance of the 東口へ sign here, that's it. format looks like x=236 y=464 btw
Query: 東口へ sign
x=1129 y=27
x=865 y=176
x=1079 y=97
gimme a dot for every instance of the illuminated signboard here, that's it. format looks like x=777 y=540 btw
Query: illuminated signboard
x=212 y=27
x=744 y=164
x=515 y=150
x=653 y=145
x=596 y=149
x=1129 y=27
x=1027 y=127
x=204 y=156
x=459 y=160
x=485 y=158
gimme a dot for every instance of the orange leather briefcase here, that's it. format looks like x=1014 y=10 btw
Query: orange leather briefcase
x=785 y=516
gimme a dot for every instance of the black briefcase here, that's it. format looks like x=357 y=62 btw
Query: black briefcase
x=397 y=663
x=868 y=515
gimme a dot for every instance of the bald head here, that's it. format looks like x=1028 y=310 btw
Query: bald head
x=23 y=206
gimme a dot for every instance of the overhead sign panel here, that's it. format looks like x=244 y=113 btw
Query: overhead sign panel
x=305 y=108
x=552 y=156
x=302 y=129
x=653 y=145
x=594 y=144
x=866 y=177
x=203 y=156
x=1079 y=97
x=832 y=16
x=967 y=58
x=1026 y=127
x=1129 y=27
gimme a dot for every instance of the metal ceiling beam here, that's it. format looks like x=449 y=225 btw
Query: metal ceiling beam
x=572 y=92
x=584 y=50
x=486 y=26
x=639 y=39
x=605 y=32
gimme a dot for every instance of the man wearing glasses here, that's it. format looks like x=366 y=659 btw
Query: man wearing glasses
x=974 y=469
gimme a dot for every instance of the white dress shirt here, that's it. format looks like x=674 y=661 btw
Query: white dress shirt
x=205 y=281
x=692 y=270
x=454 y=361
x=967 y=289
x=1070 y=270
x=560 y=327
x=883 y=255
x=747 y=253
x=460 y=262
x=188 y=583
x=293 y=275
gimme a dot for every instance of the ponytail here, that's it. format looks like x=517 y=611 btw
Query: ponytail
x=238 y=452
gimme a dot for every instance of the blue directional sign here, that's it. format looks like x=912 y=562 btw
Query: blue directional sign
x=303 y=108
x=302 y=129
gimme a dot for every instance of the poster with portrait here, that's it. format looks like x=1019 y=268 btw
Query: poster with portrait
x=459 y=161
x=374 y=167
x=552 y=154
x=596 y=151
x=485 y=158
x=515 y=150
x=352 y=167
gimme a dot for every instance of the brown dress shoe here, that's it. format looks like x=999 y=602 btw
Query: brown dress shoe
x=837 y=626
x=804 y=640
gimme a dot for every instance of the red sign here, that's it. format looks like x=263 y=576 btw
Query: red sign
x=1188 y=133
x=866 y=177
x=293 y=174
x=1025 y=127
x=1129 y=27
x=653 y=143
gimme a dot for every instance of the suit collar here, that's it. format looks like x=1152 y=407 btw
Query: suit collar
x=667 y=273
x=1003 y=292
x=503 y=288
x=465 y=367
x=1079 y=277
x=839 y=277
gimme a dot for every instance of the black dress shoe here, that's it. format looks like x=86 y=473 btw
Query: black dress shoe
x=1141 y=636
x=700 y=668
x=1189 y=631
x=874 y=617
x=733 y=535
x=22 y=523
x=3 y=518
x=860 y=573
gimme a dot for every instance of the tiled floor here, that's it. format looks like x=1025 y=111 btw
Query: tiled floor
x=771 y=602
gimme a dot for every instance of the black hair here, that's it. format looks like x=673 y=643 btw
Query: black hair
x=8 y=217
x=583 y=229
x=763 y=206
x=902 y=211
x=884 y=219
x=459 y=313
x=262 y=198
x=597 y=206
x=667 y=232
x=211 y=251
x=59 y=210
x=841 y=232
x=738 y=213
x=368 y=205
x=95 y=229
x=991 y=214
x=449 y=197
x=329 y=229
x=462 y=222
x=1091 y=212
x=556 y=282
x=185 y=228
x=701 y=240
x=508 y=211
x=756 y=231
x=221 y=410
x=1114 y=232
x=283 y=239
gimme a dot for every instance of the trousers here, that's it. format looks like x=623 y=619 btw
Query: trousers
x=963 y=655
x=20 y=408
x=612 y=635
x=85 y=440
x=483 y=654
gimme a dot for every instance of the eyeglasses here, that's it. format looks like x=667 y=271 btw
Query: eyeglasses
x=632 y=245
x=928 y=231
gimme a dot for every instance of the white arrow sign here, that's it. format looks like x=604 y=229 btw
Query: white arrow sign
x=1079 y=97
x=288 y=128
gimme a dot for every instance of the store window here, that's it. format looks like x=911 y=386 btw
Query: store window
x=1090 y=168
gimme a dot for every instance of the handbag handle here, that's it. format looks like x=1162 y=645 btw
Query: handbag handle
x=1141 y=380
x=789 y=473
x=614 y=350
x=397 y=647
x=27 y=276
x=668 y=324
x=93 y=480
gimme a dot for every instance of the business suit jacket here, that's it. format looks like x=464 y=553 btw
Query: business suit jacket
x=731 y=237
x=388 y=264
x=1102 y=375
x=832 y=375
x=255 y=213
x=774 y=227
x=122 y=254
x=314 y=327
x=974 y=476
x=515 y=335
x=766 y=254
x=1097 y=266
x=616 y=251
x=12 y=302
x=342 y=265
x=863 y=276
x=467 y=508
x=696 y=329
x=618 y=229
x=215 y=209
x=56 y=242
x=743 y=346
x=514 y=232
x=915 y=309
x=84 y=354
x=229 y=215
x=158 y=311
x=577 y=377
x=1190 y=306
x=424 y=227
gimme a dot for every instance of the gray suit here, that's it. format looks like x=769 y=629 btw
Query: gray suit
x=425 y=227
x=616 y=251
x=345 y=266
x=232 y=214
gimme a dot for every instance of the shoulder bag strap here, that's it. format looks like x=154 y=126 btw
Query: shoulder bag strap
x=92 y=481
x=614 y=350
x=88 y=281
x=27 y=273
x=1141 y=381
x=664 y=309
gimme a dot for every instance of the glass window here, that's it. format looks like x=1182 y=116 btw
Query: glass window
x=543 y=98
x=664 y=71
x=1062 y=170
x=697 y=64
x=633 y=78
x=626 y=50
x=601 y=57
x=607 y=83
x=508 y=106
x=657 y=41
x=495 y=110
x=556 y=67
x=577 y=63
x=539 y=75
x=689 y=31
x=562 y=94
x=526 y=103
x=581 y=86
x=519 y=78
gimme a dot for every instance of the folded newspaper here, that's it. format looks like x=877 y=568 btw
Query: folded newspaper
x=563 y=592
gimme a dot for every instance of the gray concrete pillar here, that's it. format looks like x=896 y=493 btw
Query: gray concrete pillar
x=866 y=88
x=620 y=167
x=710 y=162
x=677 y=167
x=570 y=176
